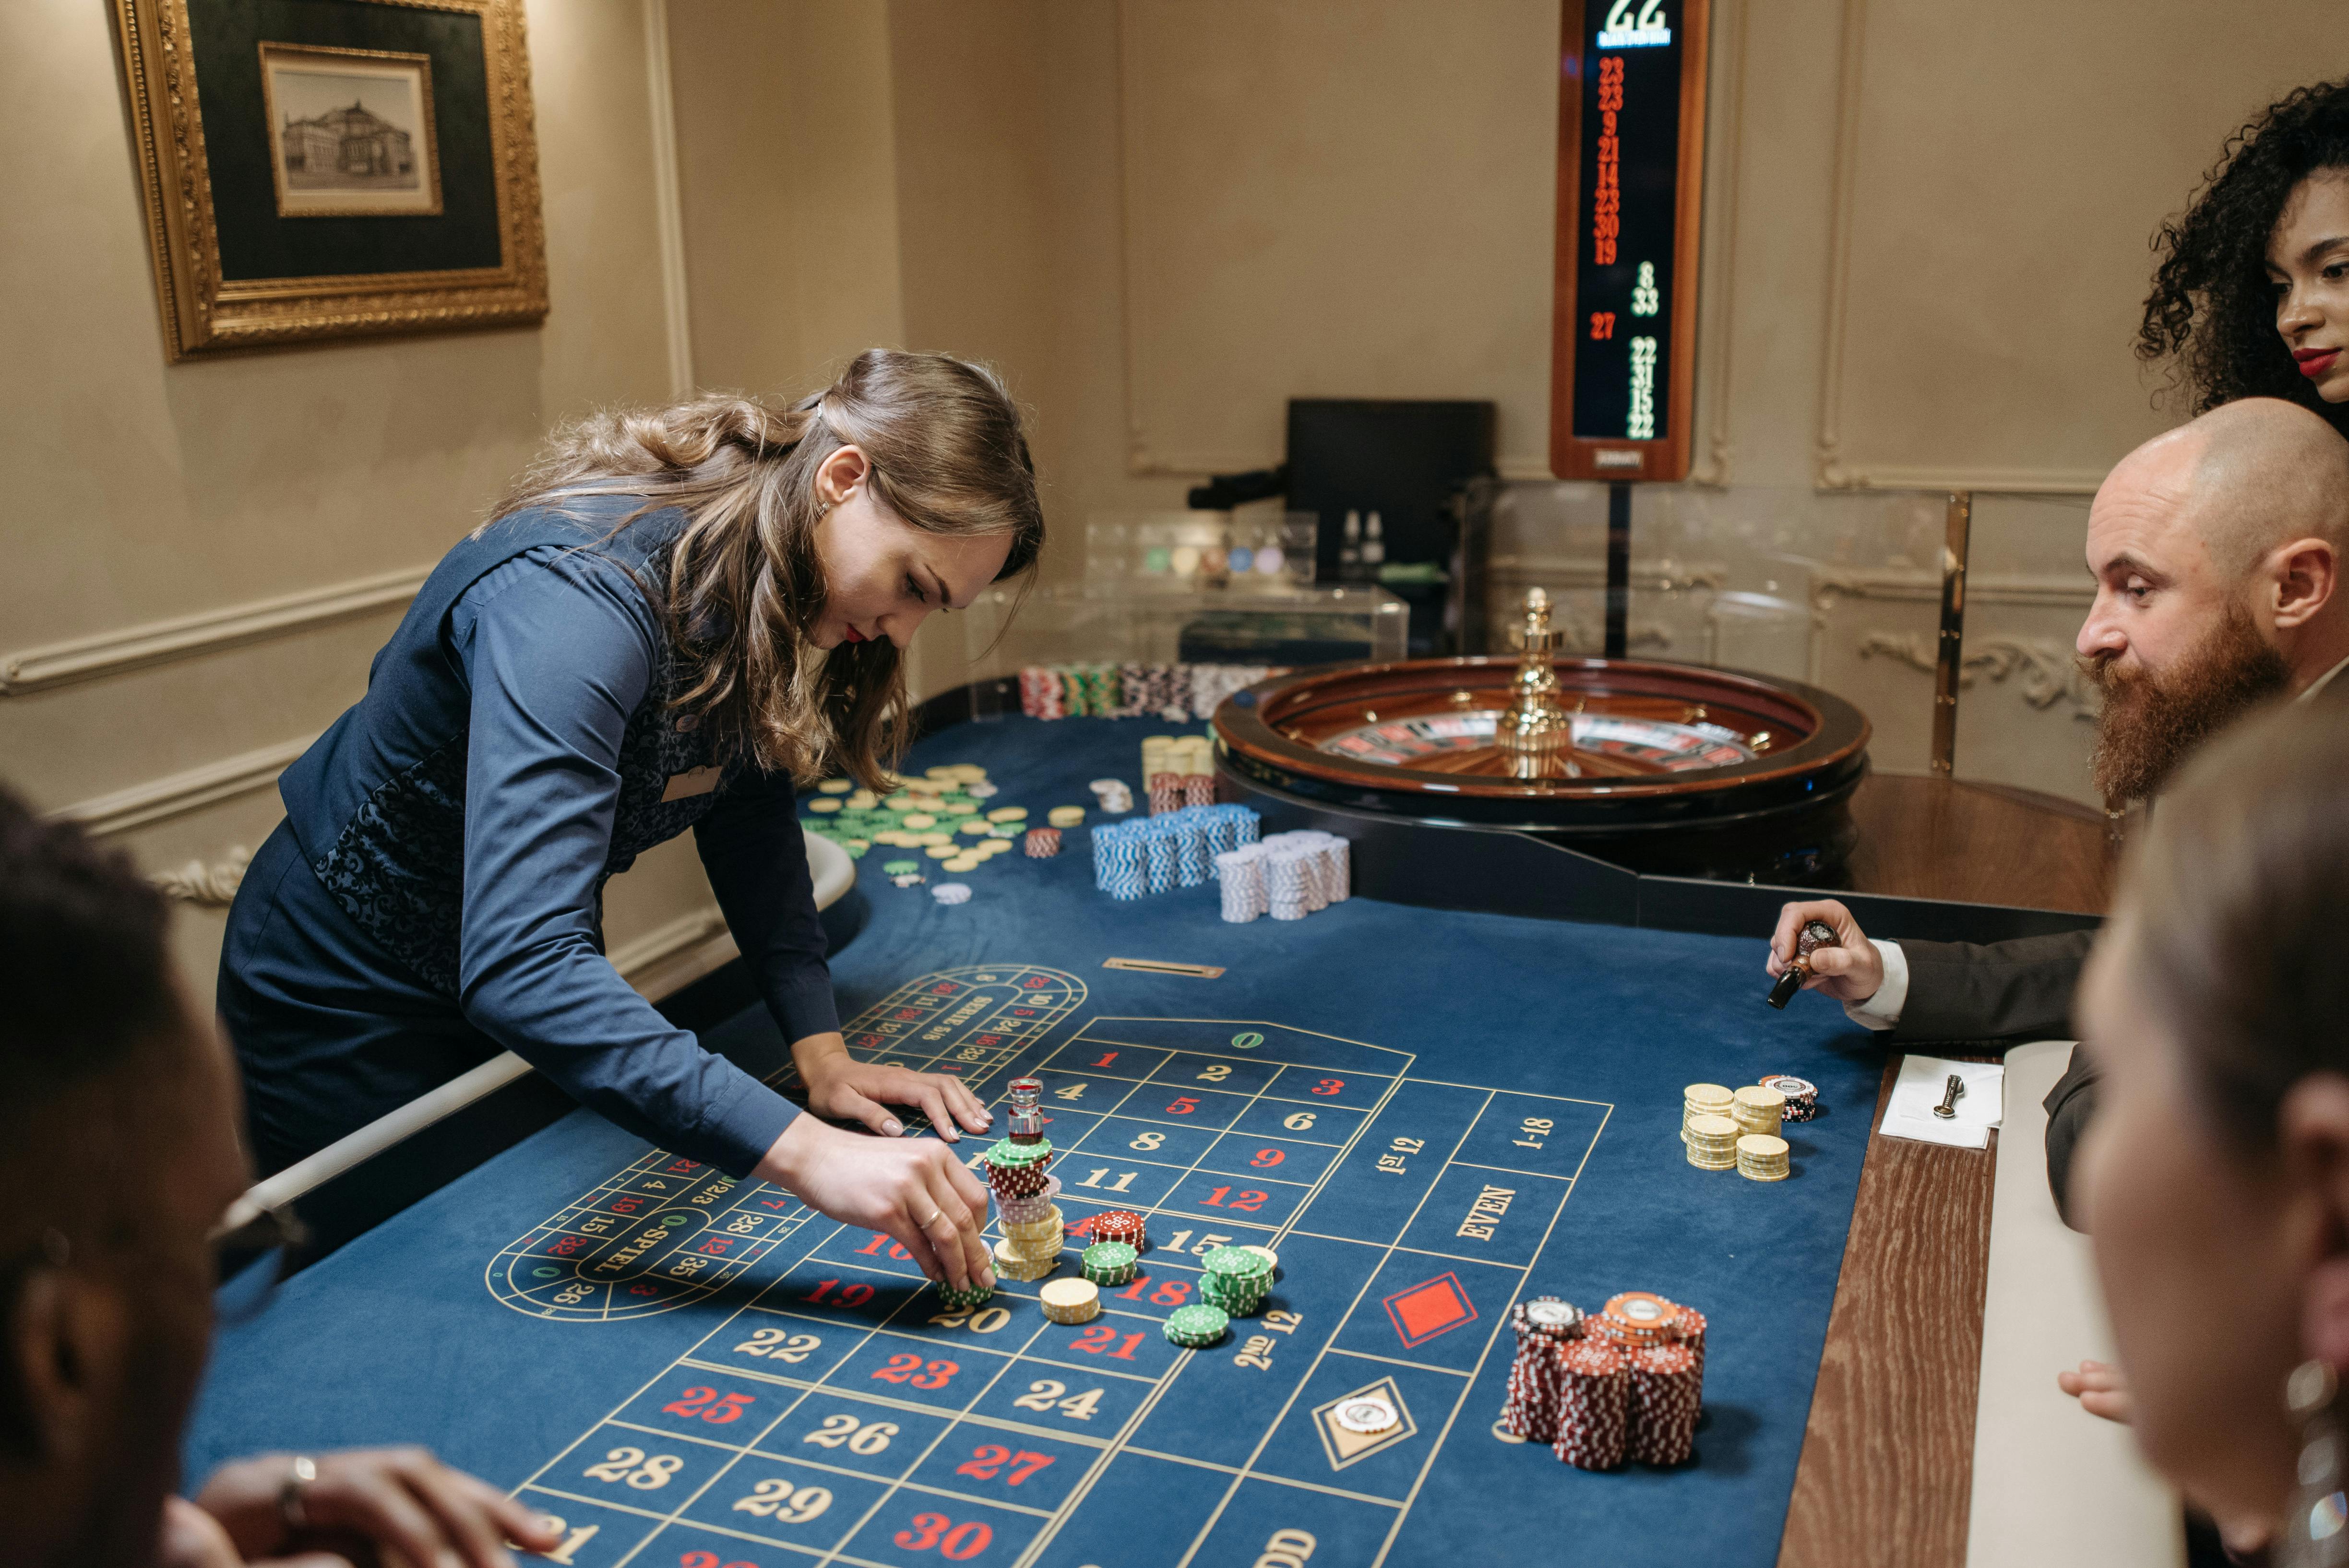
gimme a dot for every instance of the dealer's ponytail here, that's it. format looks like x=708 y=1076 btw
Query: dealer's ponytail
x=742 y=581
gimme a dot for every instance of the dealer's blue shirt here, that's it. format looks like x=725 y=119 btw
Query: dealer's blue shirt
x=435 y=894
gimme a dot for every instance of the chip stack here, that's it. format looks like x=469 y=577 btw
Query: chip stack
x=1237 y=1281
x=977 y=1295
x=1120 y=1225
x=1032 y=1224
x=1109 y=1263
x=1711 y=1142
x=1703 y=1099
x=1543 y=1326
x=1593 y=1406
x=1039 y=693
x=1637 y=1320
x=1664 y=1384
x=1761 y=1157
x=1113 y=795
x=1065 y=817
x=1043 y=843
x=1121 y=865
x=1758 y=1110
x=1286 y=882
x=1801 y=1096
x=1689 y=1324
x=1192 y=865
x=1158 y=862
x=1240 y=874
x=1196 y=1327
x=1075 y=1301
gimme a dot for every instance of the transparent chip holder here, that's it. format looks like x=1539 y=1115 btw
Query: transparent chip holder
x=1837 y=589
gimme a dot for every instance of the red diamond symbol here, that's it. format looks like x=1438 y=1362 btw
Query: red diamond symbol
x=1423 y=1312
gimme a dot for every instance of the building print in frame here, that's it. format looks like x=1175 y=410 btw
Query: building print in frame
x=350 y=131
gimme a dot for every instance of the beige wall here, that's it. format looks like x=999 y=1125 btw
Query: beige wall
x=1160 y=219
x=143 y=492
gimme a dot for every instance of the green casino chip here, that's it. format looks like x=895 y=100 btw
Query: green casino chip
x=977 y=1295
x=1196 y=1327
x=1237 y=1264
x=1006 y=1152
x=1109 y=1263
x=901 y=868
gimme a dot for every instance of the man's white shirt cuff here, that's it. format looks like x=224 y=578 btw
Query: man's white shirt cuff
x=1882 y=1010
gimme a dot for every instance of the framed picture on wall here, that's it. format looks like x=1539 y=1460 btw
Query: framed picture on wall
x=334 y=170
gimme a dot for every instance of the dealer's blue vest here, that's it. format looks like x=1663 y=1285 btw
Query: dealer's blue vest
x=377 y=805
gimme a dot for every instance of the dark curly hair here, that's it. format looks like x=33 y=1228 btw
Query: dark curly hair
x=2212 y=312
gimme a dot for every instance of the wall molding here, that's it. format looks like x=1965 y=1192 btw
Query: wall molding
x=2042 y=591
x=176 y=794
x=1724 y=176
x=53 y=664
x=206 y=886
x=667 y=205
x=2049 y=672
x=1828 y=471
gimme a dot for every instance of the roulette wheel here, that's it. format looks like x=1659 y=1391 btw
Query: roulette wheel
x=1665 y=769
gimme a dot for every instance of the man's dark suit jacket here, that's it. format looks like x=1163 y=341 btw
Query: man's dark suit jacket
x=2001 y=994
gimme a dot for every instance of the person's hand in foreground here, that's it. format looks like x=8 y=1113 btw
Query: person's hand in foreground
x=1851 y=971
x=2101 y=1390
x=364 y=1504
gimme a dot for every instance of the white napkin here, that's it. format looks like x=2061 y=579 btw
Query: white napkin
x=1918 y=1088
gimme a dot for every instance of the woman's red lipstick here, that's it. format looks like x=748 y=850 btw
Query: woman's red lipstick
x=853 y=635
x=2315 y=362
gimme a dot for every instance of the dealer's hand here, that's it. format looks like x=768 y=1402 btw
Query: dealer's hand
x=912 y=1188
x=399 y=1504
x=1852 y=970
x=841 y=1087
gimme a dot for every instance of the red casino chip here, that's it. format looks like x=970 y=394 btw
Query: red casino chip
x=1120 y=1225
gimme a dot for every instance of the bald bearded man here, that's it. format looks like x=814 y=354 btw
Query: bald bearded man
x=2218 y=550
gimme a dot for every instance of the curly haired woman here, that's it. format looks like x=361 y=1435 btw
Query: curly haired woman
x=2252 y=296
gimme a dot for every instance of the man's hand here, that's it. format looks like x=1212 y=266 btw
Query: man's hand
x=2101 y=1390
x=846 y=1090
x=1852 y=972
x=402 y=1503
x=912 y=1188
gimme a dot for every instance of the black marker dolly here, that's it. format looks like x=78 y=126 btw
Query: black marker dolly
x=1814 y=934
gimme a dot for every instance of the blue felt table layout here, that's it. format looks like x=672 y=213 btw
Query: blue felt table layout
x=1428 y=1115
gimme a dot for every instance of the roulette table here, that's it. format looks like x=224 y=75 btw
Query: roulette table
x=1430 y=1116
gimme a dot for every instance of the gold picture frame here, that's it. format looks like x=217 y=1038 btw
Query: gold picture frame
x=236 y=266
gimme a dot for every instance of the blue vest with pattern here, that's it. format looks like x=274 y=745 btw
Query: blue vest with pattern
x=378 y=804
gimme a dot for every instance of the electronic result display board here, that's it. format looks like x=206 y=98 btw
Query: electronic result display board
x=1630 y=175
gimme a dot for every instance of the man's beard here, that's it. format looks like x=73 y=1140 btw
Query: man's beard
x=2149 y=723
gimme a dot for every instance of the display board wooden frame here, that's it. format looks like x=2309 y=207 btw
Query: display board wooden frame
x=1583 y=458
x=206 y=312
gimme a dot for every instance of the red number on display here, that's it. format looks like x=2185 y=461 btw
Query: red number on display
x=567 y=1245
x=910 y=1370
x=1329 y=1086
x=708 y=1559
x=1183 y=1106
x=643 y=1290
x=853 y=1295
x=959 y=1542
x=896 y=1249
x=681 y=1166
x=774 y=1204
x=990 y=1458
x=715 y=1247
x=1098 y=1339
x=1172 y=1292
x=710 y=1406
x=626 y=1205
x=1268 y=1158
x=1602 y=324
